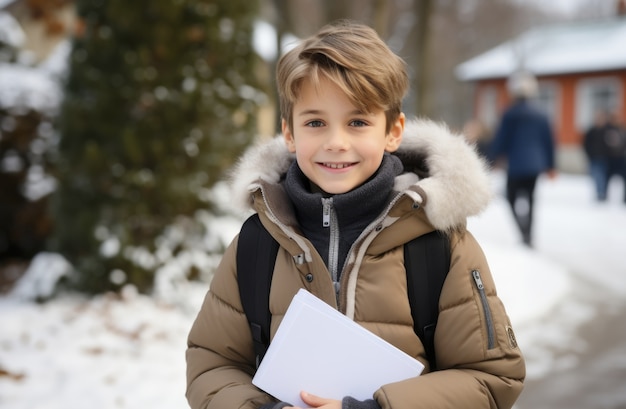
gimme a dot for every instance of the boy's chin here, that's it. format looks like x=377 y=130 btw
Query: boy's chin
x=330 y=189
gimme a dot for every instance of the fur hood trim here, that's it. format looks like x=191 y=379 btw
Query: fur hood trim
x=452 y=183
x=455 y=179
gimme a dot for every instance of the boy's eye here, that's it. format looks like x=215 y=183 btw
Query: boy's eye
x=358 y=123
x=315 y=123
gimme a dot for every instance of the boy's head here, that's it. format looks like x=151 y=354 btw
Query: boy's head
x=353 y=57
x=341 y=93
x=523 y=85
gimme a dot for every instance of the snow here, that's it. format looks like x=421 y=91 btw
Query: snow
x=37 y=88
x=567 y=7
x=264 y=41
x=4 y=3
x=11 y=32
x=45 y=270
x=127 y=351
x=37 y=91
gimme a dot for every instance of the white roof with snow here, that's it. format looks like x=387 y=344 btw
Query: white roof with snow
x=585 y=46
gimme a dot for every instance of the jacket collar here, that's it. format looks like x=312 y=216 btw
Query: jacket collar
x=355 y=208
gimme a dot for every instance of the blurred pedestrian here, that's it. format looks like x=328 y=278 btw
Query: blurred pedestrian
x=525 y=140
x=479 y=135
x=615 y=139
x=597 y=151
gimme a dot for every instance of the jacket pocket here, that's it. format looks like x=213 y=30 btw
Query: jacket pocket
x=486 y=309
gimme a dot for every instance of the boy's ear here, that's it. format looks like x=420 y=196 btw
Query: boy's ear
x=288 y=135
x=394 y=137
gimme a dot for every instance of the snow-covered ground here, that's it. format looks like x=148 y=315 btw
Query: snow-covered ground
x=127 y=351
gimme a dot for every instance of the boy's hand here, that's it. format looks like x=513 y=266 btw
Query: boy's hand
x=318 y=402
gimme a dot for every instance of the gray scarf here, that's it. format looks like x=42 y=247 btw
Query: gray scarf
x=355 y=209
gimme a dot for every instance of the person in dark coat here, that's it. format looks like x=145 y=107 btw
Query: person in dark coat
x=525 y=140
x=596 y=150
x=615 y=139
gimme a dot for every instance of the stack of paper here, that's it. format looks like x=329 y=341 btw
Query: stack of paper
x=319 y=350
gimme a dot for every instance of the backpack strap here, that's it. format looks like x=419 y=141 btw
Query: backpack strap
x=427 y=262
x=256 y=256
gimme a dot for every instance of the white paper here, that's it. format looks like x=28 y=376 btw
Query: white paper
x=319 y=350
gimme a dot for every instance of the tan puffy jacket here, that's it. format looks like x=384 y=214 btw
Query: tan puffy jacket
x=480 y=364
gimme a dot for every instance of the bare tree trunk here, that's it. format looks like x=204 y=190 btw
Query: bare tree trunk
x=281 y=25
x=423 y=12
x=336 y=10
x=381 y=17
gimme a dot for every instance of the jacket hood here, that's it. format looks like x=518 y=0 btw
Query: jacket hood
x=442 y=172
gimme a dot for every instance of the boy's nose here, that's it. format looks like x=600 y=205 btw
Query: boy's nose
x=337 y=140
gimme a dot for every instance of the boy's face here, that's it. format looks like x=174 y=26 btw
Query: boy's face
x=337 y=146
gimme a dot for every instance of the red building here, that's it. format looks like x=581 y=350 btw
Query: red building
x=581 y=69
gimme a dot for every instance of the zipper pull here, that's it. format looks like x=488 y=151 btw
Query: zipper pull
x=326 y=203
x=491 y=337
x=477 y=279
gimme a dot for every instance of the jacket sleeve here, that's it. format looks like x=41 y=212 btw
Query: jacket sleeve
x=480 y=363
x=220 y=356
x=549 y=144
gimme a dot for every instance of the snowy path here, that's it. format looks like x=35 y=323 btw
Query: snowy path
x=569 y=316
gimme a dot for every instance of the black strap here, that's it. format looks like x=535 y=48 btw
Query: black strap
x=427 y=261
x=256 y=256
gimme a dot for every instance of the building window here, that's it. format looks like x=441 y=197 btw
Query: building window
x=594 y=95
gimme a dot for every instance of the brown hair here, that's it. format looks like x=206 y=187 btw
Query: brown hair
x=354 y=58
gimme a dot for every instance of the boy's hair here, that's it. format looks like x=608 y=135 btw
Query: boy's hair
x=354 y=58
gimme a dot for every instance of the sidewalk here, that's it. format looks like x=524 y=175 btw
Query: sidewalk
x=566 y=296
x=589 y=370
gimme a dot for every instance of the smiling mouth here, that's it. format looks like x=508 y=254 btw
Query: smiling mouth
x=337 y=165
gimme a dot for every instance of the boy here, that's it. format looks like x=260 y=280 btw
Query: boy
x=340 y=192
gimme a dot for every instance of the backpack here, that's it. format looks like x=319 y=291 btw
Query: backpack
x=426 y=259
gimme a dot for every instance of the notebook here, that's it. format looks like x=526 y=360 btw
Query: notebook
x=321 y=351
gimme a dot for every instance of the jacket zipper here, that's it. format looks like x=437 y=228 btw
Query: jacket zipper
x=329 y=220
x=486 y=310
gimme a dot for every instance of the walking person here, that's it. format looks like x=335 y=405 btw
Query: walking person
x=525 y=141
x=477 y=133
x=615 y=139
x=597 y=150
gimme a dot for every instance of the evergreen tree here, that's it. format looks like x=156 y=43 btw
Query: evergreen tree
x=160 y=98
x=26 y=136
